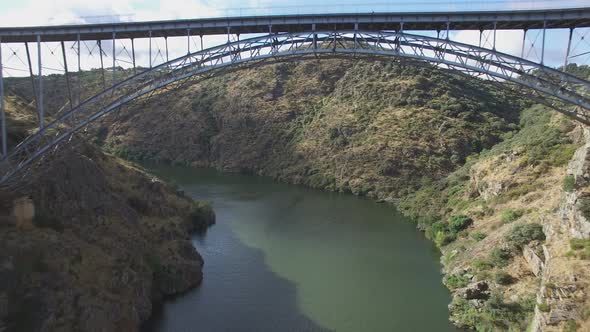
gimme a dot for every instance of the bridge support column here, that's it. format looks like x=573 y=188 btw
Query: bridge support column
x=494 y=45
x=315 y=37
x=150 y=48
x=188 y=41
x=67 y=74
x=166 y=42
x=31 y=74
x=79 y=71
x=523 y=44
x=133 y=56
x=543 y=43
x=201 y=37
x=40 y=99
x=104 y=82
x=356 y=29
x=480 y=35
x=569 y=45
x=2 y=115
x=114 y=57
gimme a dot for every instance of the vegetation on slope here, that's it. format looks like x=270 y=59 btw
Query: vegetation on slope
x=106 y=242
x=371 y=128
x=508 y=191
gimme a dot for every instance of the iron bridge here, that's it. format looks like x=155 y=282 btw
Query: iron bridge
x=276 y=38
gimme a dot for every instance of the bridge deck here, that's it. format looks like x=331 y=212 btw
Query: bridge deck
x=555 y=18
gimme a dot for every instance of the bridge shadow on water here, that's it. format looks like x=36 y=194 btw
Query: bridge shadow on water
x=230 y=297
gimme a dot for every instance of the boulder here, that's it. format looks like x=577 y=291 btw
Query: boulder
x=475 y=291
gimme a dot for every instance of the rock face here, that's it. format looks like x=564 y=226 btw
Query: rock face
x=106 y=243
x=535 y=262
x=573 y=219
x=475 y=291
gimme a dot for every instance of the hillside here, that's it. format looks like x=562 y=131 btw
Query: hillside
x=499 y=184
x=93 y=244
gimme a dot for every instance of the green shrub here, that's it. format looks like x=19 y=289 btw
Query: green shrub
x=444 y=238
x=581 y=247
x=510 y=215
x=459 y=223
x=201 y=216
x=524 y=234
x=483 y=265
x=503 y=278
x=577 y=244
x=500 y=257
x=569 y=183
x=584 y=206
x=454 y=281
x=478 y=236
x=496 y=314
x=570 y=326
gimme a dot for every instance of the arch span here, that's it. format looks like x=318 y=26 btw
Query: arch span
x=552 y=84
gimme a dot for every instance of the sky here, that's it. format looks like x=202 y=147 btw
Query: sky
x=54 y=12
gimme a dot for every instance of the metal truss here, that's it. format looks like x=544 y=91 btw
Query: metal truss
x=554 y=87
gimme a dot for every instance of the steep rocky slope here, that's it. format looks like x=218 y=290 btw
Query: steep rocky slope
x=105 y=243
x=505 y=241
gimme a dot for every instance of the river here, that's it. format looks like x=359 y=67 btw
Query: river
x=289 y=258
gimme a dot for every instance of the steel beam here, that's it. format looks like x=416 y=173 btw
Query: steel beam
x=569 y=44
x=543 y=44
x=468 y=20
x=79 y=71
x=114 y=58
x=495 y=26
x=523 y=44
x=166 y=42
x=462 y=57
x=31 y=74
x=40 y=73
x=188 y=41
x=133 y=56
x=67 y=75
x=104 y=82
x=2 y=115
x=150 y=34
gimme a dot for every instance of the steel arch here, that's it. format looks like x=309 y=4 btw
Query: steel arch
x=467 y=58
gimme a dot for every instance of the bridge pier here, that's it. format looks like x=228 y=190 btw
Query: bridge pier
x=543 y=43
x=79 y=69
x=2 y=115
x=40 y=99
x=150 y=36
x=67 y=76
x=114 y=58
x=133 y=55
x=104 y=83
x=31 y=74
x=569 y=45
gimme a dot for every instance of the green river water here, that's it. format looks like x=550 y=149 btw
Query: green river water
x=288 y=258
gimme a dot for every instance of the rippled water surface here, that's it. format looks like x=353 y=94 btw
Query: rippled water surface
x=287 y=258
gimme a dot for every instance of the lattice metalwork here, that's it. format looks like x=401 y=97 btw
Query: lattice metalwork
x=552 y=86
